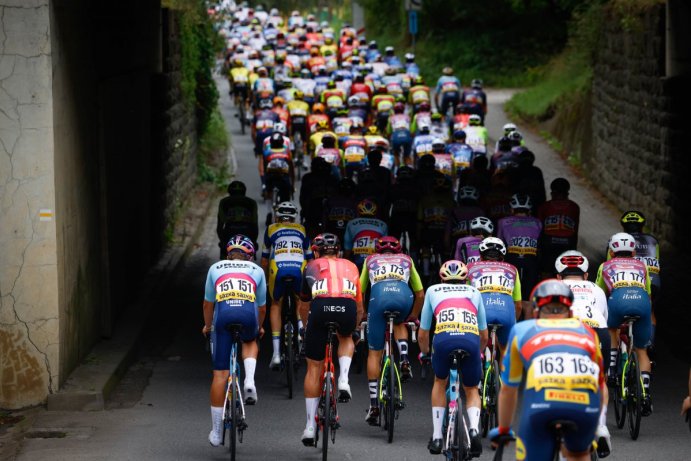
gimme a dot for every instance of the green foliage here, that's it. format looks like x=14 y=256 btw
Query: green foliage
x=212 y=165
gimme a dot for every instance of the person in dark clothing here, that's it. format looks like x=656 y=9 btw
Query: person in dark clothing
x=317 y=186
x=237 y=214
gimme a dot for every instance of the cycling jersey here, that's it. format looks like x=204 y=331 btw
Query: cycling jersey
x=648 y=251
x=460 y=316
x=500 y=286
x=627 y=284
x=589 y=303
x=360 y=236
x=393 y=278
x=422 y=145
x=476 y=137
x=459 y=221
x=333 y=286
x=237 y=288
x=562 y=363
x=521 y=235
x=462 y=155
x=287 y=248
x=468 y=249
x=560 y=220
x=236 y=215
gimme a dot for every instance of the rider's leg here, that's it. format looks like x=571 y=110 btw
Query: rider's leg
x=438 y=405
x=346 y=348
x=312 y=391
x=472 y=406
x=373 y=370
x=275 y=320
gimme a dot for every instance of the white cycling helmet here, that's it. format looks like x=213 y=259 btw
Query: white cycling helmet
x=493 y=243
x=521 y=201
x=286 y=210
x=474 y=120
x=622 y=241
x=571 y=262
x=509 y=127
x=482 y=223
x=280 y=127
x=468 y=193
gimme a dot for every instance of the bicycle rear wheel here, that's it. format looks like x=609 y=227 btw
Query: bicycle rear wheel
x=391 y=400
x=495 y=387
x=327 y=417
x=242 y=116
x=461 y=452
x=634 y=399
x=289 y=357
x=232 y=401
x=619 y=399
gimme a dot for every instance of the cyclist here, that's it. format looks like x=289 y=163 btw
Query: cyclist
x=362 y=232
x=316 y=117
x=419 y=94
x=476 y=135
x=298 y=110
x=395 y=286
x=626 y=281
x=475 y=98
x=330 y=152
x=382 y=104
x=235 y=292
x=422 y=143
x=341 y=207
x=590 y=307
x=468 y=247
x=466 y=209
x=432 y=217
x=422 y=117
x=239 y=76
x=354 y=150
x=317 y=185
x=500 y=286
x=263 y=125
x=331 y=284
x=562 y=360
x=460 y=324
x=521 y=232
x=285 y=253
x=316 y=137
x=648 y=251
x=560 y=218
x=461 y=153
x=403 y=212
x=276 y=169
x=237 y=214
x=398 y=130
x=448 y=90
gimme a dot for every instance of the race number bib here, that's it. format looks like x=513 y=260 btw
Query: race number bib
x=493 y=282
x=264 y=124
x=522 y=246
x=363 y=246
x=389 y=272
x=563 y=370
x=354 y=154
x=235 y=288
x=455 y=320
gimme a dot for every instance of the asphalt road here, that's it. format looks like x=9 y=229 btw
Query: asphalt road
x=161 y=411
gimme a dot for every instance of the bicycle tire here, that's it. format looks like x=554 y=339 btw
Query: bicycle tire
x=462 y=451
x=234 y=417
x=635 y=397
x=242 y=118
x=494 y=400
x=619 y=400
x=290 y=359
x=391 y=401
x=327 y=417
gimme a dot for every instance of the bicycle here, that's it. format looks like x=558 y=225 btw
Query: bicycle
x=327 y=413
x=291 y=344
x=628 y=389
x=491 y=384
x=240 y=100
x=457 y=438
x=390 y=394
x=234 y=407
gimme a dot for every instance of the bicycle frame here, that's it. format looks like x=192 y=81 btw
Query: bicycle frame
x=327 y=415
x=233 y=397
x=455 y=411
x=290 y=343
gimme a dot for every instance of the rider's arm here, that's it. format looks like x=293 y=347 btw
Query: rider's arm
x=254 y=225
x=418 y=290
x=208 y=311
x=512 y=374
x=482 y=322
x=599 y=280
x=261 y=302
x=221 y=219
x=265 y=253
x=261 y=165
x=364 y=277
x=425 y=325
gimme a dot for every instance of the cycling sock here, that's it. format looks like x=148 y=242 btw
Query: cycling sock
x=645 y=376
x=473 y=417
x=250 y=365
x=403 y=349
x=216 y=419
x=300 y=325
x=311 y=404
x=613 y=358
x=276 y=342
x=372 y=392
x=344 y=366
x=437 y=417
x=603 y=416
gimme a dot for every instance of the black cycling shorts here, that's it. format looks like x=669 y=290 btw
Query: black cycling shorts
x=323 y=310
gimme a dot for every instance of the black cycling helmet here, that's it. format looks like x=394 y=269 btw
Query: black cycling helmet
x=276 y=141
x=550 y=292
x=237 y=188
x=326 y=243
x=560 y=185
x=405 y=173
x=426 y=162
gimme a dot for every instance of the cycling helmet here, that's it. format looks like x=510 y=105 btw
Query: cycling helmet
x=331 y=85
x=329 y=141
x=318 y=108
x=389 y=50
x=438 y=145
x=372 y=129
x=571 y=262
x=622 y=242
x=353 y=101
x=424 y=106
x=424 y=128
x=298 y=95
x=476 y=83
x=509 y=127
x=419 y=80
x=459 y=135
x=276 y=141
x=468 y=193
x=633 y=217
x=474 y=120
x=262 y=71
x=447 y=70
x=265 y=104
x=521 y=201
x=286 y=210
x=551 y=291
x=372 y=45
x=323 y=124
x=367 y=207
x=483 y=224
x=493 y=244
x=515 y=136
x=560 y=185
x=280 y=127
x=436 y=116
x=409 y=57
x=504 y=144
x=426 y=162
x=242 y=244
x=405 y=173
x=326 y=243
x=399 y=108
x=453 y=270
x=279 y=101
x=346 y=186
x=387 y=244
x=237 y=188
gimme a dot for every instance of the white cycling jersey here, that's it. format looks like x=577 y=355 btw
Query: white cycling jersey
x=589 y=303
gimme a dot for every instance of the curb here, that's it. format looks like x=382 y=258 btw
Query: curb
x=90 y=384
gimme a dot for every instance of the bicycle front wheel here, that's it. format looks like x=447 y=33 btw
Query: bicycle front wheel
x=233 y=403
x=327 y=417
x=634 y=399
x=619 y=398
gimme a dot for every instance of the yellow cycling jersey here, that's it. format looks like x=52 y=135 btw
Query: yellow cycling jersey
x=240 y=75
x=298 y=108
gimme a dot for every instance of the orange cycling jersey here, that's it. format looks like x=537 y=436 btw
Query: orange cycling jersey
x=331 y=278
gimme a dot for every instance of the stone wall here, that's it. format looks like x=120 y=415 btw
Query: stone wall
x=637 y=123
